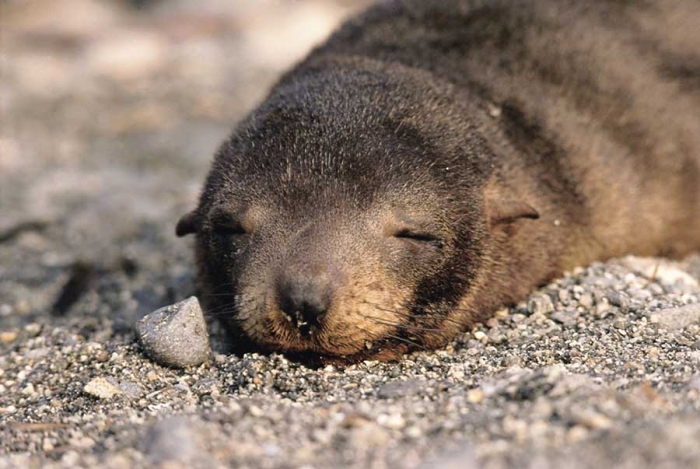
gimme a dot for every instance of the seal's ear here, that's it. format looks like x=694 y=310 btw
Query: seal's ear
x=188 y=224
x=506 y=211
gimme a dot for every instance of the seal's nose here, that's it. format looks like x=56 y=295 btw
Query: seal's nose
x=304 y=296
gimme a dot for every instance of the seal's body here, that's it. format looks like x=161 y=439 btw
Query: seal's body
x=437 y=159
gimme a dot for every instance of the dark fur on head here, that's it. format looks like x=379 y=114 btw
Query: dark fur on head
x=434 y=161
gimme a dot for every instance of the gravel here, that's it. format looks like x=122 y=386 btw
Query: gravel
x=601 y=368
x=523 y=390
x=175 y=335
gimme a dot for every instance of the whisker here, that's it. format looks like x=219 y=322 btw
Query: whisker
x=233 y=304
x=373 y=337
x=397 y=325
x=408 y=341
x=229 y=314
x=221 y=307
x=423 y=317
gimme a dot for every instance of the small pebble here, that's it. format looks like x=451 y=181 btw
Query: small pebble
x=101 y=388
x=586 y=300
x=618 y=299
x=540 y=304
x=172 y=440
x=475 y=396
x=7 y=337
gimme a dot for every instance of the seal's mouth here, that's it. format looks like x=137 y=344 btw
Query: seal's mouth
x=299 y=336
x=316 y=348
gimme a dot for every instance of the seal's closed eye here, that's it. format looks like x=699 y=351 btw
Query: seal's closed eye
x=416 y=229
x=225 y=224
x=419 y=237
x=505 y=211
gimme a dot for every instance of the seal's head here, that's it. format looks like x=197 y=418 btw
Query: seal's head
x=344 y=218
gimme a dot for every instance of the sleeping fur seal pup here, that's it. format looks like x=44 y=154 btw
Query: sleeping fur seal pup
x=437 y=159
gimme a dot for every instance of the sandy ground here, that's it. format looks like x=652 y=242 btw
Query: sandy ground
x=110 y=114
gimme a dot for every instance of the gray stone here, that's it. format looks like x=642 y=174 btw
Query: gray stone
x=398 y=388
x=674 y=319
x=567 y=318
x=457 y=459
x=172 y=439
x=586 y=300
x=618 y=298
x=540 y=304
x=175 y=335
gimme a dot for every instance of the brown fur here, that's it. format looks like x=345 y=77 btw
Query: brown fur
x=435 y=160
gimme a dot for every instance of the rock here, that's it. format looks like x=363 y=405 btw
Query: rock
x=567 y=318
x=695 y=383
x=456 y=459
x=7 y=337
x=563 y=296
x=618 y=298
x=674 y=319
x=394 y=421
x=173 y=440
x=591 y=419
x=175 y=335
x=367 y=436
x=130 y=390
x=496 y=335
x=396 y=389
x=101 y=388
x=541 y=304
x=475 y=396
x=586 y=300
x=602 y=309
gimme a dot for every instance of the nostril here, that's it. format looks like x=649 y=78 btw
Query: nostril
x=307 y=313
x=305 y=307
